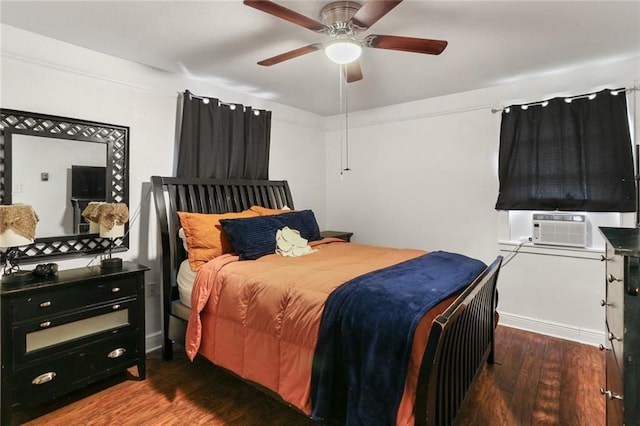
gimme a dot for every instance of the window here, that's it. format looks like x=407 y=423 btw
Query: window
x=567 y=154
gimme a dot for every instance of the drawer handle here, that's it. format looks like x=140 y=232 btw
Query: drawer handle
x=116 y=353
x=604 y=303
x=44 y=378
x=613 y=337
x=609 y=394
x=604 y=258
x=115 y=307
x=115 y=289
x=45 y=304
x=613 y=279
x=45 y=324
x=603 y=347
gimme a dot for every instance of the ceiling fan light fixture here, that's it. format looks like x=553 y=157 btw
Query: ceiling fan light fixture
x=343 y=51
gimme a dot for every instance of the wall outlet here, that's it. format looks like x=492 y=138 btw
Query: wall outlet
x=152 y=290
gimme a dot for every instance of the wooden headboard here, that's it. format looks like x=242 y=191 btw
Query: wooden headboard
x=173 y=194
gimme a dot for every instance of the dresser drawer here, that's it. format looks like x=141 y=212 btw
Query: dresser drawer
x=615 y=274
x=614 y=385
x=60 y=374
x=616 y=352
x=615 y=320
x=615 y=308
x=46 y=303
x=49 y=335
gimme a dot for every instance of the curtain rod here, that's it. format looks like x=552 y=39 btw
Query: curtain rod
x=206 y=100
x=570 y=98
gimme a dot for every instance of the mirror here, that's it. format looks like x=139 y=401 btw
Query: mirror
x=45 y=177
x=58 y=165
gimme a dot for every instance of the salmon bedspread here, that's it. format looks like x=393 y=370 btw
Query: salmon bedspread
x=260 y=319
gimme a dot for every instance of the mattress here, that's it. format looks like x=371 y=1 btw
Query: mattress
x=180 y=310
x=186 y=277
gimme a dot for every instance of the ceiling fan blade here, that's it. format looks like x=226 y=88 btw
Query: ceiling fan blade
x=290 y=55
x=372 y=11
x=352 y=71
x=406 y=44
x=286 y=14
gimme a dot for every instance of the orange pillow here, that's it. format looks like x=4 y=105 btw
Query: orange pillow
x=264 y=211
x=204 y=235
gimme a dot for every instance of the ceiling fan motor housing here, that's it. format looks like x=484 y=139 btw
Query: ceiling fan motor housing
x=337 y=15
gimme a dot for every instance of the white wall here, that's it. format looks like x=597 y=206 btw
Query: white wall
x=424 y=182
x=424 y=174
x=39 y=74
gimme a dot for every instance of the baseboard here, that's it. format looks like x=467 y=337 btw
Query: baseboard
x=153 y=341
x=562 y=331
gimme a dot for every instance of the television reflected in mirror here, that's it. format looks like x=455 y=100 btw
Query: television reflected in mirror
x=89 y=182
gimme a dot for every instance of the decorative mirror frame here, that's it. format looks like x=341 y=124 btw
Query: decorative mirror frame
x=117 y=140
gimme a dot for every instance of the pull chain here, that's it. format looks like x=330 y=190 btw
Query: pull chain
x=346 y=120
x=344 y=130
x=340 y=72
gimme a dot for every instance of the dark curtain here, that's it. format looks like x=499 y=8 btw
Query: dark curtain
x=571 y=156
x=223 y=141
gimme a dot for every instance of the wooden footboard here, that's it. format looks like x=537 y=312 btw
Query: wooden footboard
x=460 y=342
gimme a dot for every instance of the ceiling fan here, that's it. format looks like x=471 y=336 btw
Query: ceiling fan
x=342 y=21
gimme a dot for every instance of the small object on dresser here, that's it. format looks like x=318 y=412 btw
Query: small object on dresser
x=46 y=270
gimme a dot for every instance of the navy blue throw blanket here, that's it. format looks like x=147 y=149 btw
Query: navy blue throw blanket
x=364 y=343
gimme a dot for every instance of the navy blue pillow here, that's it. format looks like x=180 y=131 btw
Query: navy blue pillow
x=253 y=237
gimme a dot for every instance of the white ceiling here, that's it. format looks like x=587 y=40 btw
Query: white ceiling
x=490 y=42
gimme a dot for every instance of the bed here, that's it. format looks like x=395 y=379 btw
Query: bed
x=457 y=334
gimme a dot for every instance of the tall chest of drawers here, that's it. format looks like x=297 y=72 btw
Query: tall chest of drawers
x=62 y=333
x=622 y=305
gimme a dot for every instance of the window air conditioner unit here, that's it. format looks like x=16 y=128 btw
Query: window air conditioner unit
x=560 y=229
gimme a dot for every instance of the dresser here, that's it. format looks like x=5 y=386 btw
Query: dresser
x=61 y=333
x=622 y=304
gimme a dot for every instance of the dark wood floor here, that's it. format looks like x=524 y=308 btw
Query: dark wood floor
x=536 y=380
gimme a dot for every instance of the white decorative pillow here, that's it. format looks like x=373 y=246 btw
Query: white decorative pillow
x=289 y=243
